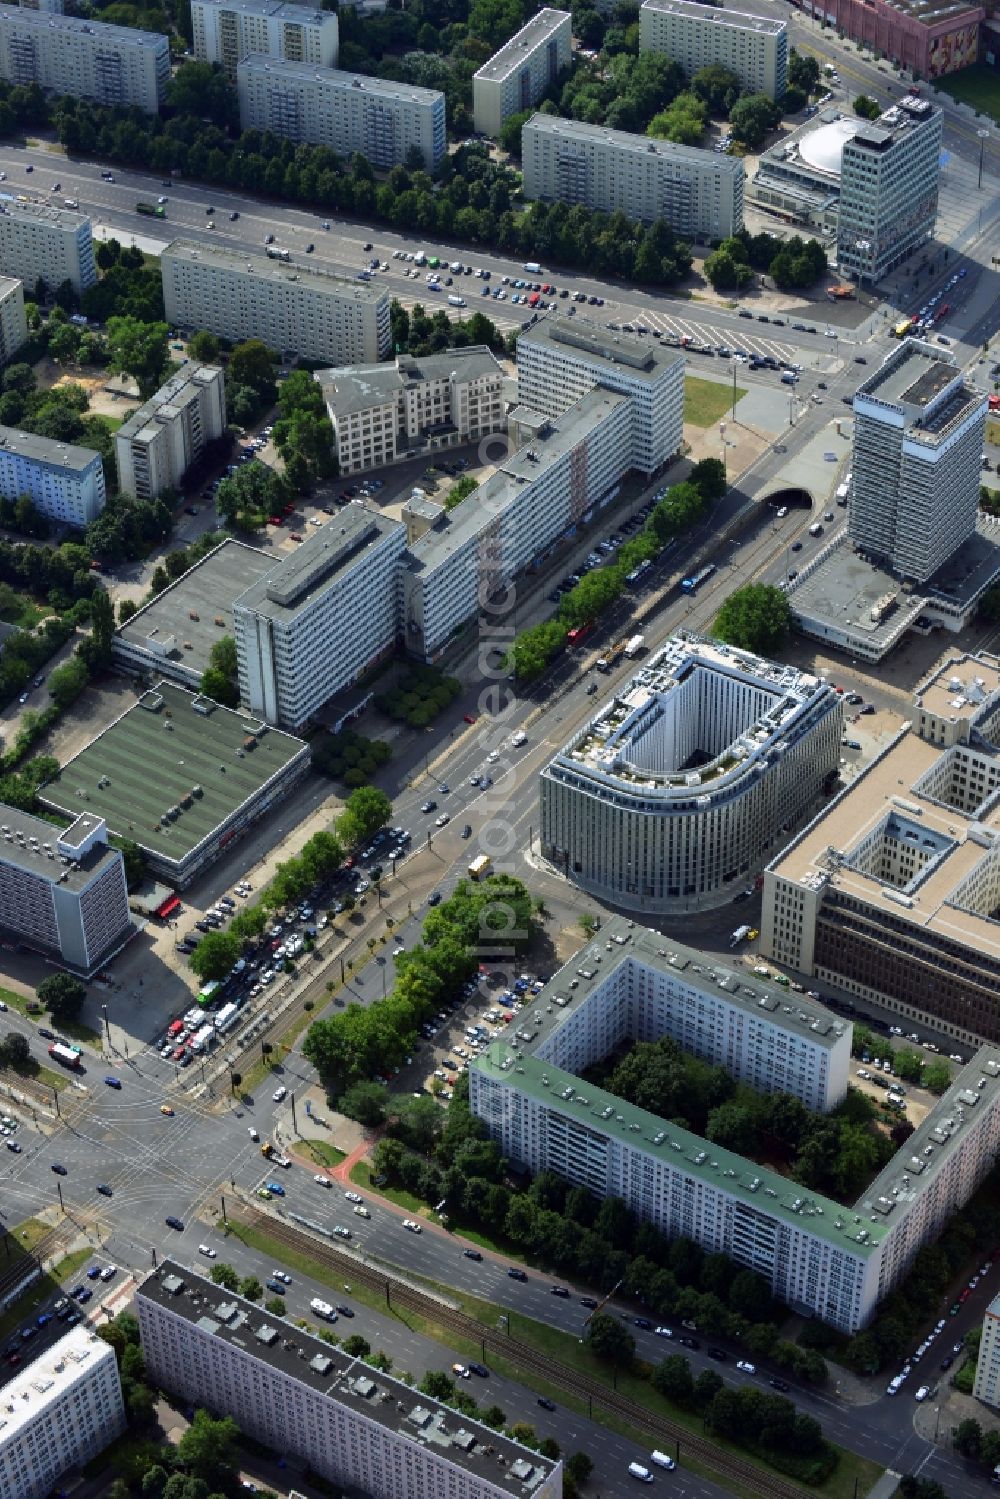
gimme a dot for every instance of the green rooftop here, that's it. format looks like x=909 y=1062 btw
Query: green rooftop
x=172 y=769
x=611 y=1116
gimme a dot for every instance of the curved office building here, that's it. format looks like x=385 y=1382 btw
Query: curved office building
x=676 y=793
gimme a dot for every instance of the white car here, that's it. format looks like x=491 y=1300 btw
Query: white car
x=460 y=1370
x=279 y=1093
x=109 y=1272
x=208 y=1251
x=745 y=1366
x=281 y=1275
x=341 y=1232
x=363 y=1212
x=353 y=1197
x=414 y=1228
x=324 y=1181
x=923 y=1392
x=665 y=1332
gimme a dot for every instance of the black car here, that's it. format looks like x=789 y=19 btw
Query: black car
x=947 y=1361
x=546 y=1403
x=429 y=806
x=847 y=400
x=643 y=1322
x=778 y=1384
x=467 y=830
x=310 y=247
x=275 y=1286
x=49 y=1035
x=515 y=1273
x=210 y=209
x=13 y=1147
x=104 y=1189
x=688 y=1341
x=860 y=359
x=719 y=1354
x=558 y=1291
x=589 y=1301
x=174 y=1222
x=472 y=1254
x=435 y=899
x=368 y=245
x=234 y=216
x=59 y=1170
x=821 y=385
x=345 y=1311
x=479 y=1369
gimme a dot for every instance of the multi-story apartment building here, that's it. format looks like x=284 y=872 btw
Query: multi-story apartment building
x=918 y=433
x=227 y=31
x=13 y=323
x=670 y=797
x=39 y=242
x=65 y=482
x=889 y=188
x=473 y=552
x=987 y=1385
x=835 y=1262
x=362 y=1430
x=163 y=438
x=62 y=891
x=698 y=193
x=386 y=412
x=517 y=76
x=560 y=358
x=52 y=7
x=755 y=48
x=114 y=65
x=58 y=1412
x=383 y=120
x=293 y=308
x=321 y=618
x=891 y=892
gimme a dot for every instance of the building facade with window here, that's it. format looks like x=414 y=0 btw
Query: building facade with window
x=384 y=413
x=62 y=891
x=159 y=443
x=819 y=1256
x=227 y=31
x=65 y=482
x=57 y=1412
x=113 y=65
x=559 y=359
x=516 y=77
x=385 y=122
x=294 y=309
x=889 y=175
x=698 y=193
x=13 y=322
x=755 y=48
x=987 y=1385
x=671 y=796
x=360 y=1429
x=321 y=618
x=55 y=245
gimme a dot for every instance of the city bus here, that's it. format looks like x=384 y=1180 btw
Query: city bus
x=205 y=995
x=66 y=1056
x=691 y=585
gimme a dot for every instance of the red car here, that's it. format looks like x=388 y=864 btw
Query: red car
x=287 y=509
x=176 y=1054
x=274 y=520
x=963 y=1296
x=469 y=717
x=295 y=535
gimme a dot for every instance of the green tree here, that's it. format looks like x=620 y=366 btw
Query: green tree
x=510 y=132
x=968 y=1436
x=202 y=90
x=253 y=493
x=867 y=107
x=203 y=347
x=135 y=863
x=366 y=811
x=682 y=122
x=752 y=117
x=215 y=955
x=219 y=680
x=356 y=1346
x=139 y=349
x=672 y=1377
x=252 y=363
x=62 y=994
x=803 y=70
x=102 y=626
x=66 y=683
x=14 y=1050
x=366 y=1102
x=251 y=1288
x=275 y=1306
x=610 y=1339
x=727 y=268
x=224 y=1275
x=909 y=1065
x=754 y=618
x=438 y=1385
x=709 y=478
x=208 y=1449
x=717 y=86
x=937 y=1077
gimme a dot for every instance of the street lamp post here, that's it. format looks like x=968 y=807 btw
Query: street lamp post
x=984 y=136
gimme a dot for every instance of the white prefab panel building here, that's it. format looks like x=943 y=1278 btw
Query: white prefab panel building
x=57 y=1413
x=227 y=31
x=321 y=618
x=517 y=76
x=987 y=1385
x=114 y=65
x=698 y=193
x=755 y=48
x=13 y=322
x=37 y=240
x=364 y=1431
x=560 y=358
x=156 y=446
x=348 y=112
x=65 y=482
x=573 y=464
x=293 y=308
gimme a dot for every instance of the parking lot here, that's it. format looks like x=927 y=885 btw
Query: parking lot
x=458 y=282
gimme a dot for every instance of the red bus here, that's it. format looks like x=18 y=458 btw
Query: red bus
x=573 y=637
x=533 y=299
x=66 y=1056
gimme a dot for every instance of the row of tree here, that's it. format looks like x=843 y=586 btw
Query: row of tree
x=681 y=508
x=790 y=263
x=933 y=1074
x=755 y=618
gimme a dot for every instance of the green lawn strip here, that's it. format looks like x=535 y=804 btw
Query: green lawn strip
x=705 y=401
x=560 y=1345
x=15 y=1001
x=361 y=1176
x=51 y=1079
x=111 y=422
x=976 y=86
x=323 y=1153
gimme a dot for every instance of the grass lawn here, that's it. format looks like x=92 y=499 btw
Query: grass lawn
x=111 y=422
x=27 y=615
x=705 y=401
x=323 y=1153
x=976 y=86
x=361 y=1176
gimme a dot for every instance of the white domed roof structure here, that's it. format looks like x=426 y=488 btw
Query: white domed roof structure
x=822 y=149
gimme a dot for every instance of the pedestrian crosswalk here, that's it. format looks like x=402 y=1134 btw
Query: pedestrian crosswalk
x=748 y=339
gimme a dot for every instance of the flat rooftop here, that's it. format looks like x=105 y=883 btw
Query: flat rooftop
x=912 y=377
x=486 y=505
x=197 y=610
x=42 y=213
x=335 y=78
x=626 y=140
x=177 y=390
x=902 y=117
x=121 y=36
x=49 y=852
x=293 y=583
x=47 y=1377
x=349 y=1382
x=740 y=19
x=531 y=35
x=298 y=276
x=359 y=387
x=961 y=689
x=65 y=456
x=641 y=359
x=172 y=752
x=305 y=14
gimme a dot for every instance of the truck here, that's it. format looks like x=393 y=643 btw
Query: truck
x=456 y=301
x=205 y=995
x=152 y=210
x=70 y=203
x=611 y=656
x=323 y=1309
x=202 y=1039
x=275 y=252
x=66 y=1056
x=532 y=267
x=480 y=867
x=267 y=1150
x=634 y=646
x=226 y=1019
x=740 y=935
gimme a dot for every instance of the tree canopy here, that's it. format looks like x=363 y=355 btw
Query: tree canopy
x=755 y=618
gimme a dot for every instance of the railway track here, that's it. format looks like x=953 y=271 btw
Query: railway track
x=513 y=1350
x=57 y=1238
